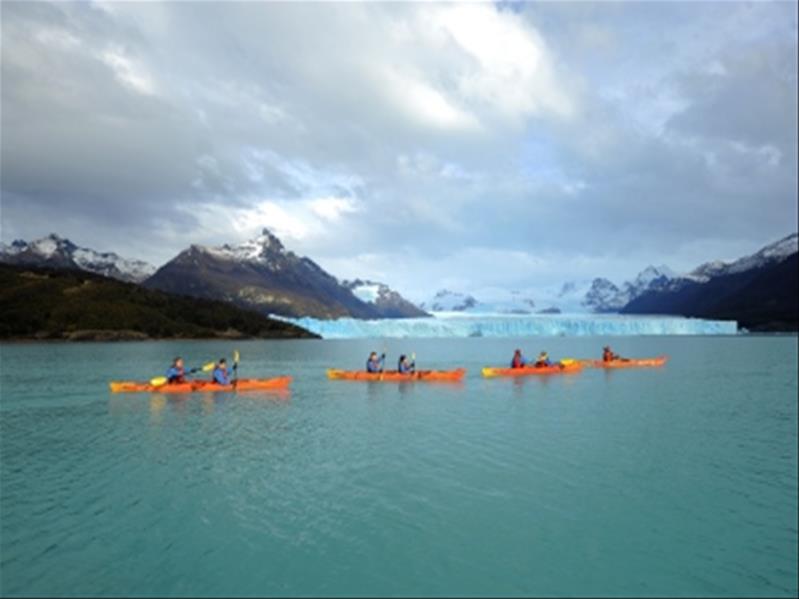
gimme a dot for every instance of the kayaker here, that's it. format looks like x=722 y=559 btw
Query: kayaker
x=543 y=360
x=375 y=364
x=404 y=366
x=608 y=355
x=221 y=376
x=176 y=372
x=518 y=361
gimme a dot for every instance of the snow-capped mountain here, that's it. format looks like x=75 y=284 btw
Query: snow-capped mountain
x=770 y=254
x=494 y=301
x=605 y=296
x=263 y=275
x=449 y=301
x=513 y=302
x=759 y=291
x=388 y=302
x=58 y=252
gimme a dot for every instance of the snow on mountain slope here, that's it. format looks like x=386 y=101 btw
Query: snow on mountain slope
x=365 y=291
x=263 y=249
x=59 y=252
x=388 y=302
x=449 y=301
x=770 y=254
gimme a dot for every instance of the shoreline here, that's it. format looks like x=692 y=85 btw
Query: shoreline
x=87 y=336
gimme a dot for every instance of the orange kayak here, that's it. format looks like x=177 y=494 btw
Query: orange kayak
x=630 y=363
x=393 y=375
x=280 y=382
x=531 y=370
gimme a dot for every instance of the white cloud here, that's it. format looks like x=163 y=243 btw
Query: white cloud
x=58 y=38
x=128 y=71
x=421 y=101
x=513 y=70
x=332 y=209
x=426 y=127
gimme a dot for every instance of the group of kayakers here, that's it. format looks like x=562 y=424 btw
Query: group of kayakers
x=377 y=364
x=519 y=361
x=543 y=361
x=177 y=372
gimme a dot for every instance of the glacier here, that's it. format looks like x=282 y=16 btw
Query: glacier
x=457 y=324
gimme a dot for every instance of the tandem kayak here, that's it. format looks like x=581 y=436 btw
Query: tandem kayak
x=280 y=382
x=628 y=363
x=393 y=375
x=532 y=370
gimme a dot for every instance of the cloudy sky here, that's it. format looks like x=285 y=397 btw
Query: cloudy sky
x=427 y=145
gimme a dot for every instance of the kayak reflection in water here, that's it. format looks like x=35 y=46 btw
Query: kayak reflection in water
x=543 y=360
x=375 y=364
x=518 y=361
x=404 y=366
x=221 y=376
x=176 y=372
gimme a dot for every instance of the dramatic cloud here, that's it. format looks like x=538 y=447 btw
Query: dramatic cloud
x=425 y=144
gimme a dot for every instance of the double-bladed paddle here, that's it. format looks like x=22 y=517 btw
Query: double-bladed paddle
x=162 y=380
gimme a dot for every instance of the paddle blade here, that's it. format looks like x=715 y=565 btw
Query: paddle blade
x=236 y=357
x=158 y=381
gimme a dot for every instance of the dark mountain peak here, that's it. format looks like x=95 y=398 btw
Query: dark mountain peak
x=266 y=249
x=269 y=241
x=260 y=274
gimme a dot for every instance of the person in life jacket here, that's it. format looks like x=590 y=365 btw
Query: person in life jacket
x=543 y=360
x=176 y=372
x=608 y=355
x=221 y=376
x=518 y=361
x=404 y=366
x=375 y=364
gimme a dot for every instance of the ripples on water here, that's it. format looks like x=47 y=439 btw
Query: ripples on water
x=676 y=481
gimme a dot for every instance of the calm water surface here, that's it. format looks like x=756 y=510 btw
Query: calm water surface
x=673 y=481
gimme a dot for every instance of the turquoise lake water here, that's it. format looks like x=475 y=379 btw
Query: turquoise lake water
x=673 y=481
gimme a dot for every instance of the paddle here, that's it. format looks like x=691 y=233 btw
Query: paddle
x=162 y=380
x=235 y=367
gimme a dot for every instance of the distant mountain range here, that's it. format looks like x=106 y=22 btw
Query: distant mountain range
x=262 y=275
x=57 y=252
x=510 y=302
x=760 y=291
x=259 y=274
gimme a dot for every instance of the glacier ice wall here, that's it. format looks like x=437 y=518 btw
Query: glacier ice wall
x=503 y=325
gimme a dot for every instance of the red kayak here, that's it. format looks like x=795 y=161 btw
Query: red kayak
x=280 y=382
